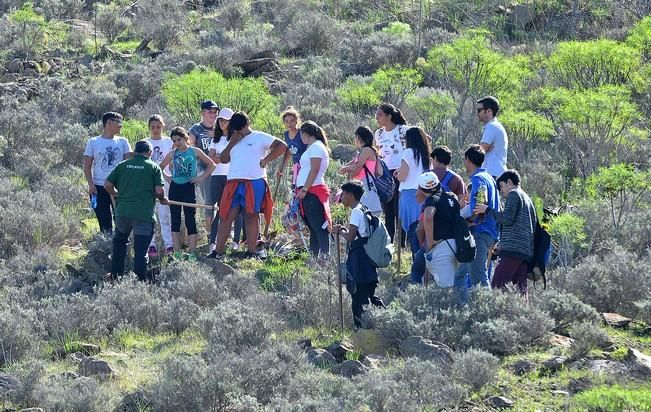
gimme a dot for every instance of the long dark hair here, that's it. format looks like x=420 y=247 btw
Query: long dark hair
x=315 y=130
x=219 y=133
x=417 y=140
x=365 y=134
x=394 y=112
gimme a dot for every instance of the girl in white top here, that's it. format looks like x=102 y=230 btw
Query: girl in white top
x=389 y=138
x=218 y=178
x=415 y=161
x=312 y=191
x=161 y=146
x=368 y=156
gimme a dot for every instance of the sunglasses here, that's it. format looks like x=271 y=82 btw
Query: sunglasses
x=480 y=109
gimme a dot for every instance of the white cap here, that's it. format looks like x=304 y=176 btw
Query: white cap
x=225 y=114
x=428 y=181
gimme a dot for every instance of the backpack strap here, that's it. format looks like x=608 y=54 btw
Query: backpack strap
x=446 y=180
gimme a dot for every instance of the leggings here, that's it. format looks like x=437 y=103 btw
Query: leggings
x=183 y=193
x=390 y=210
x=314 y=220
x=217 y=184
x=103 y=210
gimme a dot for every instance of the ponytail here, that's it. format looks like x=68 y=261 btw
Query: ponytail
x=365 y=134
x=395 y=113
x=315 y=130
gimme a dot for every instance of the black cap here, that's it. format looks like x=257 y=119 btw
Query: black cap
x=142 y=146
x=208 y=105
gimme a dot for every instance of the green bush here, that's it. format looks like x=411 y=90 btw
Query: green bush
x=568 y=234
x=183 y=95
x=614 y=399
x=640 y=37
x=433 y=108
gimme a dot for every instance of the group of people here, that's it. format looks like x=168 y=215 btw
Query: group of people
x=227 y=160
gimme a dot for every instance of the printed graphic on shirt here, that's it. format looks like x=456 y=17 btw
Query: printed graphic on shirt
x=184 y=165
x=157 y=155
x=110 y=158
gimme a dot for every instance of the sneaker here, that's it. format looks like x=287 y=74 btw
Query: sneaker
x=211 y=247
x=169 y=251
x=192 y=257
x=235 y=246
x=261 y=254
x=215 y=255
x=152 y=251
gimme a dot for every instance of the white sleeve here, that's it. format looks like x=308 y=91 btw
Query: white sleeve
x=89 y=149
x=318 y=151
x=126 y=146
x=356 y=215
x=268 y=139
x=489 y=134
x=212 y=145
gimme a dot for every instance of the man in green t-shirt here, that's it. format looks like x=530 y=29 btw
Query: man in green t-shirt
x=136 y=184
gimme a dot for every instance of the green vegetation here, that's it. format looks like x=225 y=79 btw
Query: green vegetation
x=614 y=399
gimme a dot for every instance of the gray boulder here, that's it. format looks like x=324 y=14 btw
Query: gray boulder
x=339 y=350
x=607 y=367
x=8 y=383
x=89 y=349
x=15 y=66
x=555 y=364
x=92 y=367
x=218 y=268
x=321 y=358
x=499 y=402
x=616 y=320
x=639 y=363
x=349 y=368
x=417 y=346
x=523 y=366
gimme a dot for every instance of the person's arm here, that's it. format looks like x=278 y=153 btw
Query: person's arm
x=286 y=157
x=88 y=173
x=210 y=165
x=487 y=139
x=506 y=217
x=315 y=165
x=192 y=139
x=110 y=188
x=428 y=223
x=276 y=149
x=167 y=161
x=128 y=153
x=213 y=155
x=468 y=211
x=354 y=167
x=349 y=233
x=420 y=233
x=160 y=195
x=403 y=172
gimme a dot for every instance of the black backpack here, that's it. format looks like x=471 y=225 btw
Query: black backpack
x=541 y=249
x=466 y=246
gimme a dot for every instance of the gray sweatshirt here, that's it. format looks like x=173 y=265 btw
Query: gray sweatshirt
x=518 y=222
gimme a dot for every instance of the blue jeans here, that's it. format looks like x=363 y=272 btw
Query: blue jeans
x=476 y=269
x=418 y=267
x=412 y=238
x=142 y=234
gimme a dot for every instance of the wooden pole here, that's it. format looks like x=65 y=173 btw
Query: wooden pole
x=195 y=205
x=341 y=299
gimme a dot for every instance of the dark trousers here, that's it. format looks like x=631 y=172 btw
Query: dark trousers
x=183 y=193
x=104 y=210
x=390 y=210
x=363 y=295
x=314 y=220
x=217 y=184
x=510 y=269
x=142 y=234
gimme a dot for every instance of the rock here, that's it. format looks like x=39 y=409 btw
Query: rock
x=31 y=64
x=68 y=375
x=85 y=60
x=521 y=15
x=425 y=349
x=523 y=366
x=96 y=367
x=45 y=67
x=219 y=268
x=15 y=66
x=554 y=364
x=615 y=320
x=9 y=77
x=349 y=369
x=89 y=349
x=251 y=65
x=639 y=363
x=499 y=402
x=339 y=350
x=369 y=341
x=30 y=73
x=561 y=341
x=271 y=67
x=557 y=392
x=607 y=366
x=31 y=410
x=76 y=357
x=344 y=152
x=304 y=343
x=374 y=361
x=265 y=54
x=321 y=358
x=579 y=385
x=8 y=383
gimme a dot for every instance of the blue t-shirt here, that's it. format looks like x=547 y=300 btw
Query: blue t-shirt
x=486 y=223
x=296 y=146
x=184 y=166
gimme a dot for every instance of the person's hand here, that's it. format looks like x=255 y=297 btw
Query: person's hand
x=167 y=178
x=197 y=179
x=164 y=201
x=280 y=172
x=480 y=208
x=92 y=190
x=217 y=158
x=343 y=169
x=263 y=163
x=301 y=194
x=339 y=229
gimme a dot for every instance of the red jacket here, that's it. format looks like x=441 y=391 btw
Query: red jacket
x=229 y=191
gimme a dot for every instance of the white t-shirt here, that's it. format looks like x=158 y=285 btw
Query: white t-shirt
x=106 y=154
x=221 y=169
x=315 y=150
x=495 y=160
x=160 y=148
x=358 y=219
x=391 y=145
x=246 y=156
x=415 y=170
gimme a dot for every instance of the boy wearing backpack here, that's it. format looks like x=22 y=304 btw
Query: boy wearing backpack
x=438 y=246
x=450 y=180
x=361 y=271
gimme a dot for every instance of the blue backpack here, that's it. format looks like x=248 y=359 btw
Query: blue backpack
x=446 y=181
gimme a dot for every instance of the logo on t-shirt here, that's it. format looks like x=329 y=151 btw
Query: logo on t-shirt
x=110 y=158
x=157 y=154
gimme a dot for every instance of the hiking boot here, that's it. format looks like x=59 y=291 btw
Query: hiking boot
x=152 y=251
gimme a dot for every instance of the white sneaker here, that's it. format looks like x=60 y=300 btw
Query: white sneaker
x=211 y=247
x=235 y=246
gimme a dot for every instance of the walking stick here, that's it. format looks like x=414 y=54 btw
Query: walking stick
x=195 y=205
x=273 y=199
x=398 y=237
x=341 y=300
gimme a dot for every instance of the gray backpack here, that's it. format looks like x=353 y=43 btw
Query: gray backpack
x=378 y=247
